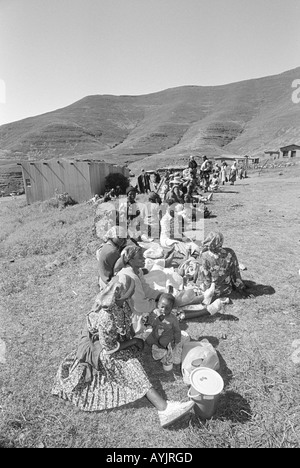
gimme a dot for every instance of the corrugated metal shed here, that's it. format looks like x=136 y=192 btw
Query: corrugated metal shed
x=81 y=179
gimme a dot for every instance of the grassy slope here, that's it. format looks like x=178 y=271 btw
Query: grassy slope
x=43 y=307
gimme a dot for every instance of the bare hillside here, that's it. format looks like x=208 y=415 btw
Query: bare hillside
x=155 y=129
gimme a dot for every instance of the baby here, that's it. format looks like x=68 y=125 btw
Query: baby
x=166 y=331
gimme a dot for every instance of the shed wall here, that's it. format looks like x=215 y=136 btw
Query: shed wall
x=80 y=179
x=48 y=178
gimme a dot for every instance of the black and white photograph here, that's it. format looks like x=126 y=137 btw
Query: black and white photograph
x=149 y=226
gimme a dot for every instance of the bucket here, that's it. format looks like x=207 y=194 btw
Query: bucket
x=196 y=354
x=206 y=386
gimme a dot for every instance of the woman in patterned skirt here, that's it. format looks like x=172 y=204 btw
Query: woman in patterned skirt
x=107 y=369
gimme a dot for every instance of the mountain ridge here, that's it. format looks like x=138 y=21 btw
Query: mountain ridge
x=157 y=129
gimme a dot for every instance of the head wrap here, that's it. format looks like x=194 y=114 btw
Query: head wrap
x=127 y=254
x=213 y=242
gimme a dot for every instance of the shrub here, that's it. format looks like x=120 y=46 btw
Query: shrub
x=114 y=179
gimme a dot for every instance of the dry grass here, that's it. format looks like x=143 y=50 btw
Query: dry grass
x=48 y=280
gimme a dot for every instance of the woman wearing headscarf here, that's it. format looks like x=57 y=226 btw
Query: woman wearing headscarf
x=219 y=265
x=233 y=173
x=115 y=240
x=133 y=216
x=107 y=370
x=143 y=301
x=224 y=173
x=175 y=191
x=171 y=229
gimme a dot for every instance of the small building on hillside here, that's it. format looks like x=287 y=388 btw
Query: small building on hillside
x=241 y=160
x=290 y=151
x=274 y=154
x=230 y=159
x=81 y=179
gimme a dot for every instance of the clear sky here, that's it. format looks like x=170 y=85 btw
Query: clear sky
x=55 y=52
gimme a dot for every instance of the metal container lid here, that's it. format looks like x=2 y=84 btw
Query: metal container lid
x=206 y=381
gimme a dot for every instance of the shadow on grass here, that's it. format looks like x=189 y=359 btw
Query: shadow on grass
x=230 y=191
x=254 y=289
x=209 y=319
x=233 y=407
x=230 y=406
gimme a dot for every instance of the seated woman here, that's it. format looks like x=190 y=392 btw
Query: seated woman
x=115 y=241
x=155 y=211
x=193 y=301
x=168 y=235
x=143 y=300
x=220 y=266
x=107 y=371
x=132 y=215
x=175 y=191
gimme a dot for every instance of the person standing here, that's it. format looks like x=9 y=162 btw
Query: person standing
x=156 y=180
x=193 y=165
x=233 y=173
x=224 y=173
x=205 y=171
x=144 y=182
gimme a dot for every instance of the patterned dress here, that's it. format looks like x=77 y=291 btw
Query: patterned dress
x=98 y=376
x=222 y=268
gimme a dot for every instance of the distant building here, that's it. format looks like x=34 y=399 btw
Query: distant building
x=242 y=160
x=275 y=154
x=290 y=151
x=81 y=179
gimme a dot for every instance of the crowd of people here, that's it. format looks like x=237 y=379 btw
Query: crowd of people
x=153 y=274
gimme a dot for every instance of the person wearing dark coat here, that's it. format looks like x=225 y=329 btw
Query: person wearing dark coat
x=144 y=182
x=156 y=180
x=193 y=165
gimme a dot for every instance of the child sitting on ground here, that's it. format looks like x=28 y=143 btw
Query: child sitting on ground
x=166 y=333
x=214 y=184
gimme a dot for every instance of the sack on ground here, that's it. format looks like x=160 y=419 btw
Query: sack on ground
x=198 y=354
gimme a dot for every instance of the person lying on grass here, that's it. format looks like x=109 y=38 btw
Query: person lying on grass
x=107 y=371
